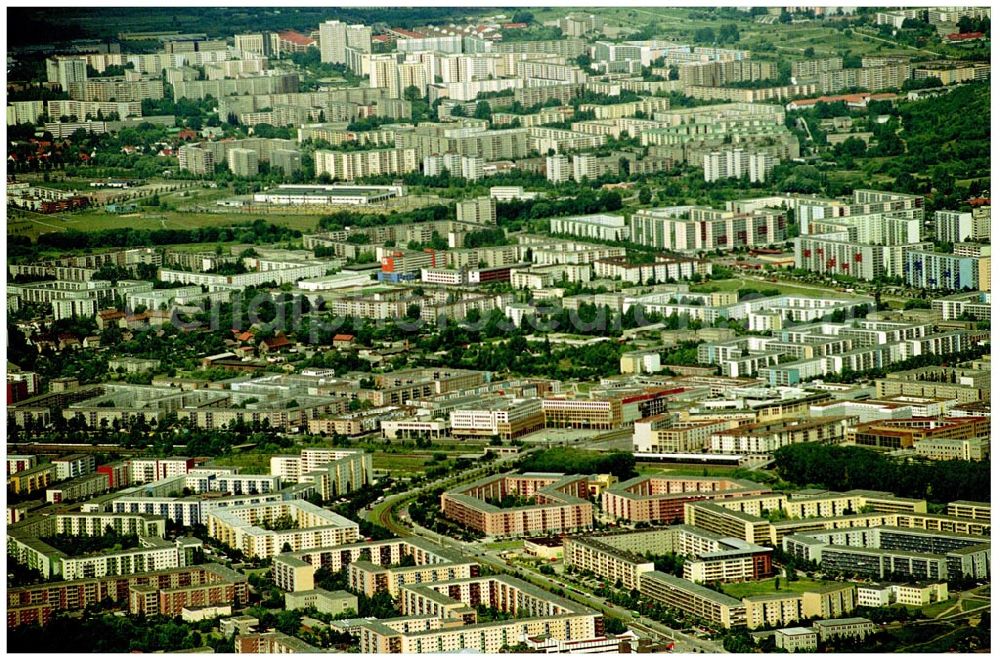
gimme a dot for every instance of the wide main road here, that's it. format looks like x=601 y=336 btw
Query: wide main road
x=385 y=514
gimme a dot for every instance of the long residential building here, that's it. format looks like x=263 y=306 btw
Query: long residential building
x=373 y=566
x=251 y=528
x=171 y=589
x=348 y=166
x=541 y=503
x=426 y=607
x=662 y=498
x=692 y=229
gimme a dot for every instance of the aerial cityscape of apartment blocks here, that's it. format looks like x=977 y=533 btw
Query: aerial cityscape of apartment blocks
x=576 y=329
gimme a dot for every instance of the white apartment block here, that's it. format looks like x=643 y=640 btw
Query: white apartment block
x=596 y=226
x=336 y=37
x=557 y=168
x=75 y=465
x=735 y=163
x=478 y=210
x=334 y=472
x=961 y=226
x=143 y=470
x=66 y=70
x=464 y=167
x=244 y=528
x=186 y=511
x=348 y=166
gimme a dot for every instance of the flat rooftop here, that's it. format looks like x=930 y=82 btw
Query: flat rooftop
x=329 y=190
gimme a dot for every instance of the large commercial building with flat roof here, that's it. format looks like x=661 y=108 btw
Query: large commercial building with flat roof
x=293 y=194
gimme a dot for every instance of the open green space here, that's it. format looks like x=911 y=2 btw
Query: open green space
x=33 y=224
x=507 y=545
x=972 y=604
x=251 y=462
x=400 y=463
x=766 y=586
x=686 y=469
x=935 y=610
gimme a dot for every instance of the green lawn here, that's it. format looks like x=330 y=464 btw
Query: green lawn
x=972 y=604
x=934 y=610
x=686 y=469
x=740 y=590
x=250 y=462
x=33 y=225
x=509 y=545
x=400 y=463
x=788 y=40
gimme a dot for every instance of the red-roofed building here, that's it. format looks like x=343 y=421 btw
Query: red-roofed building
x=343 y=340
x=108 y=318
x=274 y=344
x=403 y=33
x=514 y=26
x=979 y=201
x=137 y=321
x=245 y=336
x=860 y=100
x=964 y=36
x=187 y=134
x=291 y=41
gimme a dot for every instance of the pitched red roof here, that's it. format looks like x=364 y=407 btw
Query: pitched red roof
x=340 y=337
x=408 y=33
x=277 y=342
x=960 y=36
x=296 y=38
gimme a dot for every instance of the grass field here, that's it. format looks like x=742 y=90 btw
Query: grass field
x=33 y=224
x=972 y=604
x=508 y=545
x=740 y=590
x=793 y=39
x=400 y=463
x=250 y=462
x=685 y=469
x=935 y=610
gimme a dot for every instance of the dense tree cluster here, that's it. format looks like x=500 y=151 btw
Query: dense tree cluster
x=587 y=201
x=257 y=232
x=343 y=219
x=844 y=468
x=108 y=634
x=84 y=544
x=584 y=462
